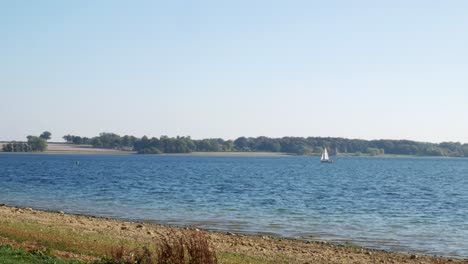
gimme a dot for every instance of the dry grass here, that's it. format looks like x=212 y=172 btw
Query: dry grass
x=198 y=248
x=191 y=247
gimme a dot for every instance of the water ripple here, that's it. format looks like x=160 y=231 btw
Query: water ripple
x=404 y=204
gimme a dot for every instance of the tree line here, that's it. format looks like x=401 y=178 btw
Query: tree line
x=34 y=144
x=293 y=145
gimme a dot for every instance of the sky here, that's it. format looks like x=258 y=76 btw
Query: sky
x=225 y=69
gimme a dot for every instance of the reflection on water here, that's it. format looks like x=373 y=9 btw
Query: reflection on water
x=404 y=204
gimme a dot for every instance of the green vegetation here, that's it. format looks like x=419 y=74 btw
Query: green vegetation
x=35 y=144
x=16 y=147
x=293 y=145
x=45 y=135
x=375 y=151
x=65 y=239
x=9 y=255
x=77 y=140
x=191 y=246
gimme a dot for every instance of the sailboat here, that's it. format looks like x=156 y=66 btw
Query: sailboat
x=325 y=158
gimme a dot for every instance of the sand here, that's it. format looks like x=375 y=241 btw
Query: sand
x=62 y=148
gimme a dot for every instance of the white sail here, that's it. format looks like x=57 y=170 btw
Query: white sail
x=325 y=154
x=325 y=158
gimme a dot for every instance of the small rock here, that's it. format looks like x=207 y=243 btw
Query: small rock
x=149 y=233
x=265 y=237
x=368 y=253
x=413 y=257
x=123 y=228
x=139 y=226
x=2 y=204
x=229 y=234
x=61 y=212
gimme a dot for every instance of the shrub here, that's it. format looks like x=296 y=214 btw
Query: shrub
x=191 y=247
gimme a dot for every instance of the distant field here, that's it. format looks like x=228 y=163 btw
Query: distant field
x=64 y=148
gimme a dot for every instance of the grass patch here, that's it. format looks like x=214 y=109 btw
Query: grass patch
x=65 y=239
x=9 y=255
x=188 y=247
x=353 y=246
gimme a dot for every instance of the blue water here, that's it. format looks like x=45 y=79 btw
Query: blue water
x=401 y=204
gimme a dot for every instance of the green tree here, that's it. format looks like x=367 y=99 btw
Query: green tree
x=241 y=144
x=228 y=145
x=37 y=144
x=318 y=150
x=77 y=140
x=126 y=141
x=465 y=150
x=68 y=138
x=45 y=135
x=96 y=142
x=110 y=140
x=375 y=151
x=8 y=147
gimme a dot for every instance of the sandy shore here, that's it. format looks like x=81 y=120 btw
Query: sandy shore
x=62 y=148
x=86 y=237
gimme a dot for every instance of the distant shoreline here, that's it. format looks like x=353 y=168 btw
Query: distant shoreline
x=72 y=149
x=65 y=148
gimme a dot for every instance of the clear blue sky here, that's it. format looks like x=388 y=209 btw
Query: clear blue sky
x=356 y=69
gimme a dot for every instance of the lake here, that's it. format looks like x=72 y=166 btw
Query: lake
x=415 y=205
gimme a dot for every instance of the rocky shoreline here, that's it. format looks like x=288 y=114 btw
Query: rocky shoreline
x=73 y=232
